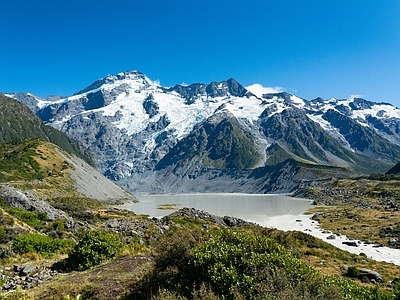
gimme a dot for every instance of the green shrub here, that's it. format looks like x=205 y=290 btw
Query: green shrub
x=58 y=225
x=239 y=265
x=17 y=161
x=236 y=260
x=396 y=289
x=78 y=207
x=2 y=232
x=41 y=244
x=353 y=272
x=95 y=247
x=32 y=218
x=351 y=290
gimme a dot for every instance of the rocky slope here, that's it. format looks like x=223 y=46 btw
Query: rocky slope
x=193 y=138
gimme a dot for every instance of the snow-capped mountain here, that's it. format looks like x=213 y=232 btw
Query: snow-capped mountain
x=138 y=130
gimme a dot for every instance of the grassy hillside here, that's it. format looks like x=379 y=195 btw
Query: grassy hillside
x=51 y=173
x=34 y=164
x=18 y=122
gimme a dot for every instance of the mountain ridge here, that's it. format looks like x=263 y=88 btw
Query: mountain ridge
x=17 y=122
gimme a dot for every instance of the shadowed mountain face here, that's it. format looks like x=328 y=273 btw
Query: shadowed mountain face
x=395 y=169
x=17 y=122
x=219 y=142
x=136 y=129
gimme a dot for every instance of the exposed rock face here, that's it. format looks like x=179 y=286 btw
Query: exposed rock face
x=26 y=200
x=218 y=143
x=395 y=169
x=282 y=178
x=362 y=139
x=350 y=243
x=225 y=221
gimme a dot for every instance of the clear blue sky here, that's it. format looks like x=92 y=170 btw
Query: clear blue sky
x=310 y=48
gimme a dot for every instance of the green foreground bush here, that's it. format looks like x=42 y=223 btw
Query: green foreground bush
x=239 y=265
x=95 y=247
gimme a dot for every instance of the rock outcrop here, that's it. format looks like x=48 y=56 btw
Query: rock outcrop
x=26 y=200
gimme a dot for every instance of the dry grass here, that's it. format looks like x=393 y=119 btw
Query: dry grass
x=359 y=207
x=359 y=223
x=326 y=258
x=168 y=206
x=108 y=281
x=57 y=181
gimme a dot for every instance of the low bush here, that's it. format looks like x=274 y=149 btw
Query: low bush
x=41 y=244
x=238 y=265
x=2 y=232
x=78 y=208
x=32 y=218
x=241 y=261
x=353 y=272
x=95 y=247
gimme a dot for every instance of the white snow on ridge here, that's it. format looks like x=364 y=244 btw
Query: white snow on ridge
x=130 y=89
x=245 y=108
x=42 y=103
x=182 y=116
x=298 y=102
x=333 y=131
x=378 y=111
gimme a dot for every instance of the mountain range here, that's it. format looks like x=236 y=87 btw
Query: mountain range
x=220 y=137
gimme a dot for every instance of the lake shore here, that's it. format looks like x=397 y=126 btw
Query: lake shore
x=304 y=223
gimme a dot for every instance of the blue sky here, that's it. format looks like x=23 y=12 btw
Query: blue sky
x=311 y=48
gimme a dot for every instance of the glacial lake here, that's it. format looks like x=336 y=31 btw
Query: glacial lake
x=256 y=208
x=277 y=211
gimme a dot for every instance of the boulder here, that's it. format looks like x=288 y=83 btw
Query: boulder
x=350 y=243
x=26 y=200
x=230 y=221
x=27 y=270
x=372 y=276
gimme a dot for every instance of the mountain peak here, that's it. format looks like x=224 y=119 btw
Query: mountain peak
x=214 y=89
x=111 y=79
